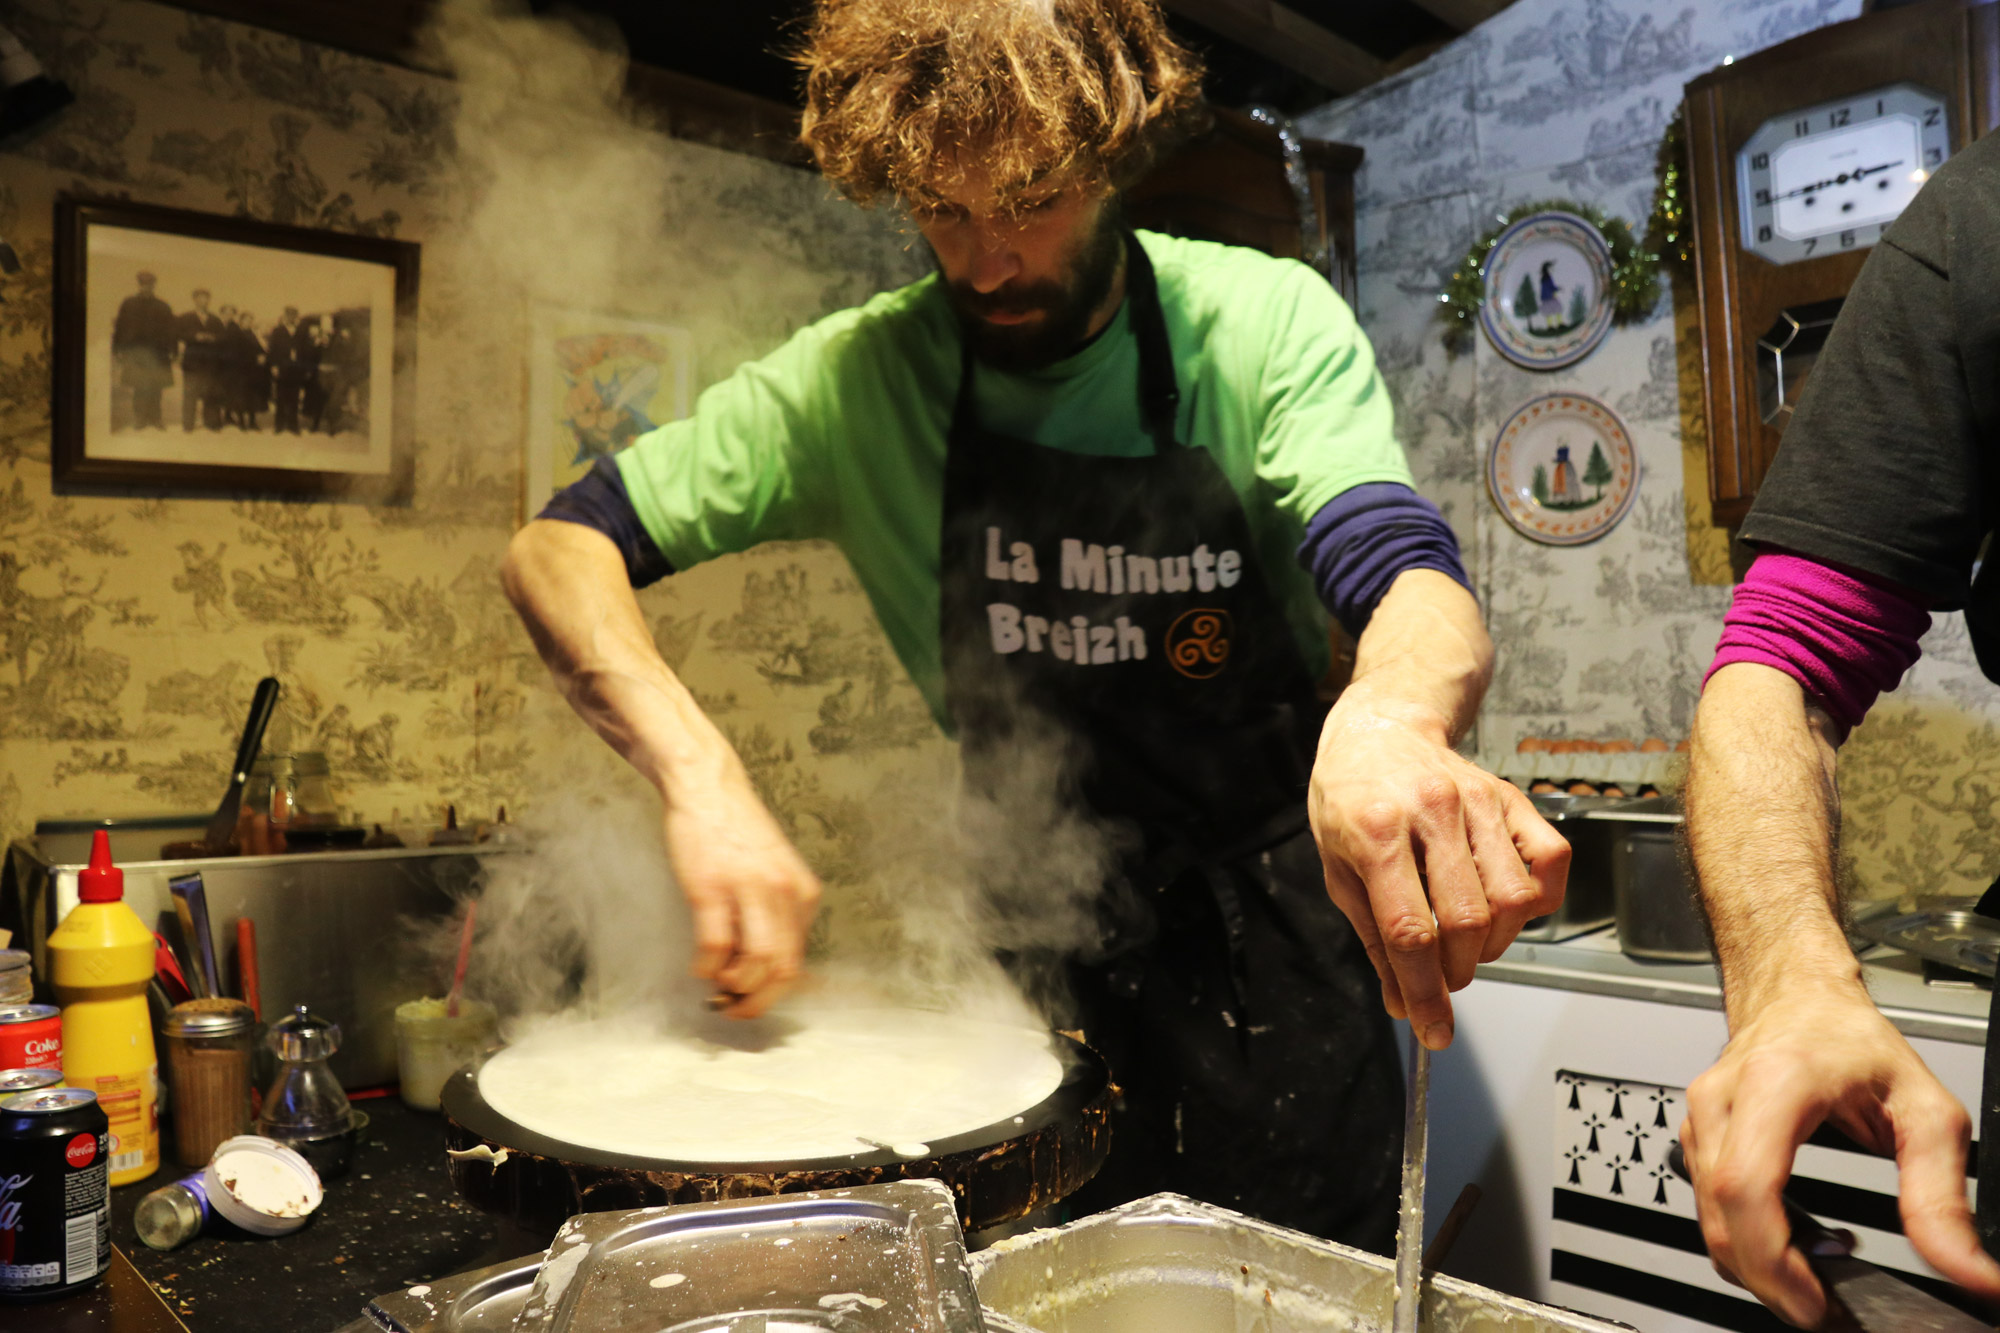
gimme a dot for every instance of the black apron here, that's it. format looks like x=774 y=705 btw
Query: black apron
x=1119 y=601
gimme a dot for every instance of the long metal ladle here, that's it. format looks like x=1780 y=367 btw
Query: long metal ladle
x=1410 y=1222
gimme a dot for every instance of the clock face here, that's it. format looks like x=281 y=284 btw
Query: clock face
x=1831 y=177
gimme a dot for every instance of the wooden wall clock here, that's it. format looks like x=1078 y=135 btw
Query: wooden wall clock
x=1798 y=158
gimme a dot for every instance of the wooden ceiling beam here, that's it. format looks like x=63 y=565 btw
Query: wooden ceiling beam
x=679 y=105
x=1290 y=39
x=1462 y=15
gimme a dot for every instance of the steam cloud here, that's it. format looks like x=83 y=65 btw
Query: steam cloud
x=571 y=200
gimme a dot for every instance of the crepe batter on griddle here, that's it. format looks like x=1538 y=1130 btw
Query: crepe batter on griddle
x=778 y=1090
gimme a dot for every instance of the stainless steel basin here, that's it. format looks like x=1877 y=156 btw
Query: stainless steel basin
x=1167 y=1264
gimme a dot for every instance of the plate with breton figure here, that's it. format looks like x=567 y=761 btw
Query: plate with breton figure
x=1548 y=291
x=1563 y=469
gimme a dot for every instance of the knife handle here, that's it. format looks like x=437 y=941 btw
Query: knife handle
x=262 y=703
x=1813 y=1238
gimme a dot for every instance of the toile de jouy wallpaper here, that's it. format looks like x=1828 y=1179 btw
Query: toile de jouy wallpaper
x=135 y=628
x=1569 y=101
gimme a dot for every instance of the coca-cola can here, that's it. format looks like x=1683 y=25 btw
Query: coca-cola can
x=30 y=1036
x=28 y=1080
x=55 y=1193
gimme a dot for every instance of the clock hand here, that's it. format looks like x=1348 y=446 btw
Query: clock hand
x=1859 y=172
x=1842 y=179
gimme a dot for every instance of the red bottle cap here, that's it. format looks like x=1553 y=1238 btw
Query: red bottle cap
x=100 y=882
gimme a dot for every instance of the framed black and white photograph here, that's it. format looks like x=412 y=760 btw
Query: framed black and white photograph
x=200 y=353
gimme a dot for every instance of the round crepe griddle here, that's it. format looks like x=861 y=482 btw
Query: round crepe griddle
x=1001 y=1172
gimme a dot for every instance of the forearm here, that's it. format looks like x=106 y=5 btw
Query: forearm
x=1435 y=862
x=568 y=583
x=1424 y=660
x=1763 y=820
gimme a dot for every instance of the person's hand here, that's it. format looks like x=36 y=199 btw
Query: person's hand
x=1392 y=807
x=751 y=893
x=1818 y=1055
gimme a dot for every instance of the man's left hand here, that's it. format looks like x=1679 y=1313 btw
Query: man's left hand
x=1436 y=863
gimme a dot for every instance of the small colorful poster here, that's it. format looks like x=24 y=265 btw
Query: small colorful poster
x=597 y=383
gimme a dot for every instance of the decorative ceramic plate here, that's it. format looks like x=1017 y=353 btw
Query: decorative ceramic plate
x=1563 y=469
x=1548 y=291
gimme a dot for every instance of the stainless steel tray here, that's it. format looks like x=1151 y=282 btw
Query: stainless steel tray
x=483 y=1300
x=1167 y=1264
x=1958 y=938
x=488 y=1300
x=874 y=1257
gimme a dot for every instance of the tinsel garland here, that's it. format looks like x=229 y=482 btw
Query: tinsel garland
x=1668 y=233
x=1635 y=264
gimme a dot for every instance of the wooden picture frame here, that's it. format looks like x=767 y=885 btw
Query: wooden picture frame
x=308 y=389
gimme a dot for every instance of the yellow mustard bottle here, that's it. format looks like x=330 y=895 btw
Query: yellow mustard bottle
x=100 y=961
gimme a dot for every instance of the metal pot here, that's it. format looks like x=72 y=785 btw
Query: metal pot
x=1653 y=884
x=1587 y=905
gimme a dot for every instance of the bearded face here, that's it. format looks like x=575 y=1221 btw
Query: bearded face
x=1030 y=283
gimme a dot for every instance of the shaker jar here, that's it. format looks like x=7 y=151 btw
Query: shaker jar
x=209 y=1045
x=305 y=1107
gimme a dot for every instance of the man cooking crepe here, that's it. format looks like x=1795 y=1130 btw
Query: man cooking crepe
x=1104 y=480
x=1872 y=517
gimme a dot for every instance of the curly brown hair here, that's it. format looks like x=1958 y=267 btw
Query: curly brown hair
x=902 y=94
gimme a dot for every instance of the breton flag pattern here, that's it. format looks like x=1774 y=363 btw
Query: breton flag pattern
x=1624 y=1241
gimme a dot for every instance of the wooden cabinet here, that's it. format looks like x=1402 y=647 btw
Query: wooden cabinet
x=1766 y=300
x=1230 y=185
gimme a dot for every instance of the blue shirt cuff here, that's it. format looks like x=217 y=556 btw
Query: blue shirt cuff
x=1360 y=540
x=599 y=501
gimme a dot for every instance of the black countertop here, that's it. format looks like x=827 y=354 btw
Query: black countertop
x=390 y=1222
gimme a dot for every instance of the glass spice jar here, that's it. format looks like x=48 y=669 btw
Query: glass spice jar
x=209 y=1045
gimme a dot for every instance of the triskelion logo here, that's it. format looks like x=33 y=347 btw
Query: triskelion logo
x=1198 y=643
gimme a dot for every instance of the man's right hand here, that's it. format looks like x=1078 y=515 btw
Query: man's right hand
x=1824 y=1055
x=752 y=894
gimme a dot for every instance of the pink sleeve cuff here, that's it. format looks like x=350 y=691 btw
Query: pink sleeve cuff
x=1845 y=636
